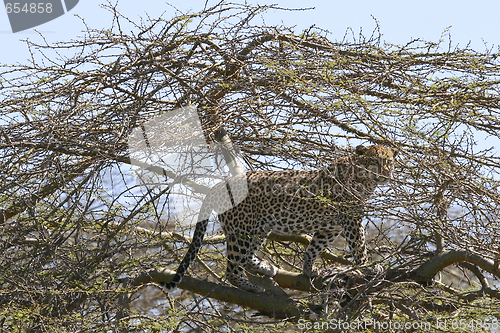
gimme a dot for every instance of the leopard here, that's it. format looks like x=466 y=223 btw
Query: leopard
x=325 y=203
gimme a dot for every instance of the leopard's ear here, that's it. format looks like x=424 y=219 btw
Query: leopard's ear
x=360 y=150
x=395 y=152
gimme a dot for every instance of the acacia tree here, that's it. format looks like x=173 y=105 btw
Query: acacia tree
x=83 y=243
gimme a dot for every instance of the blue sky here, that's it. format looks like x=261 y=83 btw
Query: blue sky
x=400 y=21
x=474 y=22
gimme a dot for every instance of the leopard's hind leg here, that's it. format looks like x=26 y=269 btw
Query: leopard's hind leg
x=238 y=254
x=259 y=265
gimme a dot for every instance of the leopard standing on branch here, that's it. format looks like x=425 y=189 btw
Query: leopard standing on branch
x=323 y=202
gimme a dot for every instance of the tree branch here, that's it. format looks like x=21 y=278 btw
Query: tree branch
x=267 y=303
x=430 y=268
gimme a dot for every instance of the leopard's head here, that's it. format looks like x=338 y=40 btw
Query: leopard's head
x=375 y=162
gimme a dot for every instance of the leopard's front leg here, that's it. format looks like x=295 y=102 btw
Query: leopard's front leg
x=354 y=234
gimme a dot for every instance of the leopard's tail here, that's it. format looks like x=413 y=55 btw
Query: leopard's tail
x=194 y=247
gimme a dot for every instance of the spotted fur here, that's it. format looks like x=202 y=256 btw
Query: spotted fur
x=321 y=202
